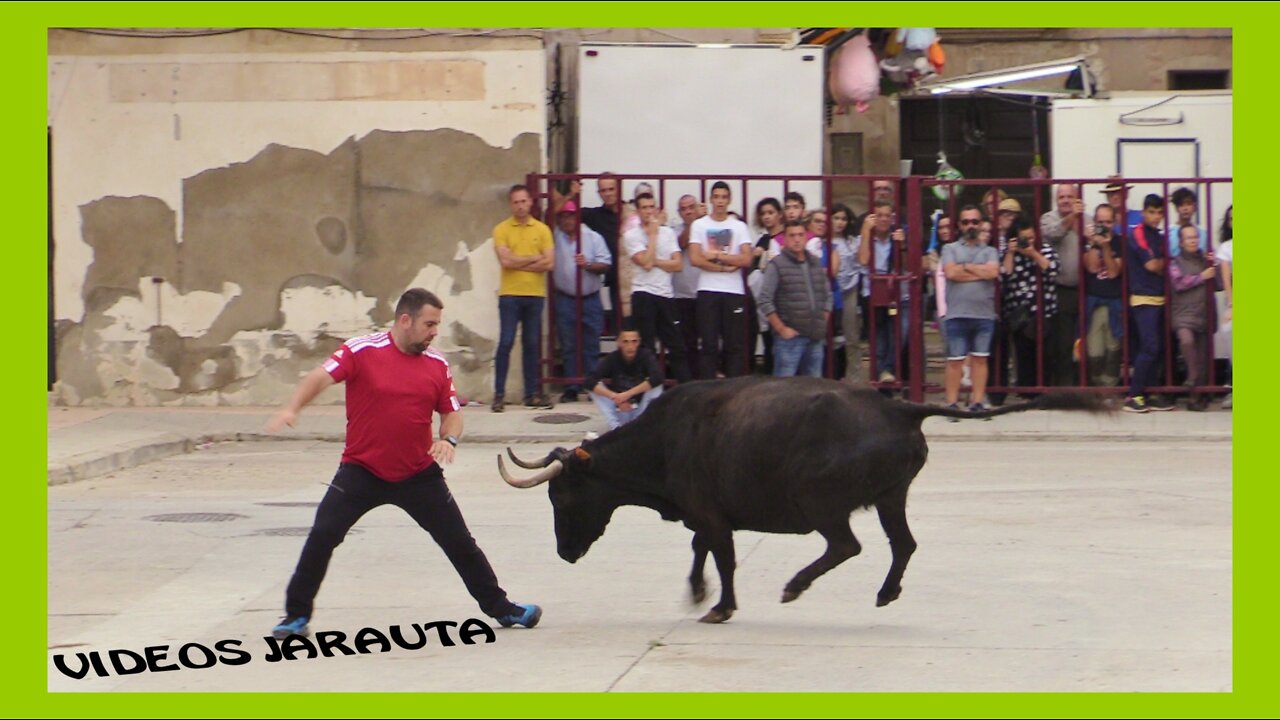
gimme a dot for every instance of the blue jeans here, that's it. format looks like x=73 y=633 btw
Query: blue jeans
x=527 y=311
x=615 y=417
x=886 y=350
x=567 y=330
x=798 y=356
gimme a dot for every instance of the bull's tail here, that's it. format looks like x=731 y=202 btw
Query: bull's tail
x=1087 y=402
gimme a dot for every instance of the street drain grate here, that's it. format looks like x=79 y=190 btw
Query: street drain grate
x=295 y=532
x=560 y=418
x=289 y=504
x=196 y=517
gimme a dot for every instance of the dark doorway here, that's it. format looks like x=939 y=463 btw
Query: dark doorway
x=984 y=136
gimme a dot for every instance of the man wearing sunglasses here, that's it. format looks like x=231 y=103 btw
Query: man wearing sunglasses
x=971 y=268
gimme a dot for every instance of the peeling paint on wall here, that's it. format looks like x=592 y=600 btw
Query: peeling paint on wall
x=281 y=258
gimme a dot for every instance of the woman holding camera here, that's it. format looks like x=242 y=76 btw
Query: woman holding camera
x=1029 y=272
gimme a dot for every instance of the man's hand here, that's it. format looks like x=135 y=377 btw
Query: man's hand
x=899 y=236
x=280 y=420
x=623 y=405
x=442 y=451
x=1209 y=273
x=787 y=332
x=580 y=260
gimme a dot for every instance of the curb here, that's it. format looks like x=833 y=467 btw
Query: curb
x=141 y=452
x=131 y=455
x=167 y=445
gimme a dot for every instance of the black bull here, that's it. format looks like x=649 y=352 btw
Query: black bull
x=778 y=455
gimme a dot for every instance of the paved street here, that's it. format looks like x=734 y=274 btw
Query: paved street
x=1044 y=565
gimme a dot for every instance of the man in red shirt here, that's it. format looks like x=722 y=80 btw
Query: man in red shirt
x=394 y=384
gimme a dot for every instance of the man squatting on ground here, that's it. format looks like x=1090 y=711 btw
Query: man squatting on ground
x=394 y=383
x=626 y=380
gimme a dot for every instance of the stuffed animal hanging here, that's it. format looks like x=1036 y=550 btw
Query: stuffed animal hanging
x=914 y=62
x=855 y=75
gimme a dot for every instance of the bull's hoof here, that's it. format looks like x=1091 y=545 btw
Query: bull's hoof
x=716 y=616
x=883 y=599
x=788 y=596
x=698 y=595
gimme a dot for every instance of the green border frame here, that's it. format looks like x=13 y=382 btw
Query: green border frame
x=25 y=667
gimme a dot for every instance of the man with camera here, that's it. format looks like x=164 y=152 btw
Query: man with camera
x=1103 y=266
x=1030 y=272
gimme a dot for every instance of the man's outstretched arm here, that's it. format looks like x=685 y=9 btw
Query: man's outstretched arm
x=311 y=386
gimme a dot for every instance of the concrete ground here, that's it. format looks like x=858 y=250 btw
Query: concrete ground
x=1058 y=552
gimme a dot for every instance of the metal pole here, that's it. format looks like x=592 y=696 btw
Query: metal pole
x=915 y=350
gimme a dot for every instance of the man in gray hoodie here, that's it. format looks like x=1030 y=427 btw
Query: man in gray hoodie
x=795 y=297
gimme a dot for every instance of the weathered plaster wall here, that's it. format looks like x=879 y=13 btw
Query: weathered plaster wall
x=223 y=222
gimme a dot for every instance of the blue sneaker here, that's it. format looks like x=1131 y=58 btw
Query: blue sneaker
x=980 y=407
x=291 y=626
x=953 y=406
x=528 y=616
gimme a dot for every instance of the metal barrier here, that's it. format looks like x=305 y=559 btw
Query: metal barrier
x=885 y=295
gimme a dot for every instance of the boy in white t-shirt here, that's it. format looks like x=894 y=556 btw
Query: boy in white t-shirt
x=655 y=254
x=721 y=247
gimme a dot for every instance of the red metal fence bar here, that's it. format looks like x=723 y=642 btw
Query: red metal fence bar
x=906 y=268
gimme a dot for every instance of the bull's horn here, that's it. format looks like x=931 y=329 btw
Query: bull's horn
x=528 y=465
x=552 y=471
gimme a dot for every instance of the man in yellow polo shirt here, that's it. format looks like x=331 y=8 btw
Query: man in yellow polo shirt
x=527 y=253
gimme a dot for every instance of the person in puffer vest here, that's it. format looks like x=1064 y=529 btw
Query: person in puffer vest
x=795 y=297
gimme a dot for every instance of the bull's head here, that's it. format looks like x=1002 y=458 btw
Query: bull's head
x=582 y=505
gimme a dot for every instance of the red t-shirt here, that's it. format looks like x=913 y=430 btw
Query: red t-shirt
x=390 y=398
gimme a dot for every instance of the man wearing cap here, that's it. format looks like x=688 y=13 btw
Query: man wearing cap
x=1007 y=211
x=1060 y=228
x=582 y=259
x=606 y=220
x=1010 y=209
x=1116 y=192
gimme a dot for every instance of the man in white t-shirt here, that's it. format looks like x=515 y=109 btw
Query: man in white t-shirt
x=720 y=246
x=655 y=254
